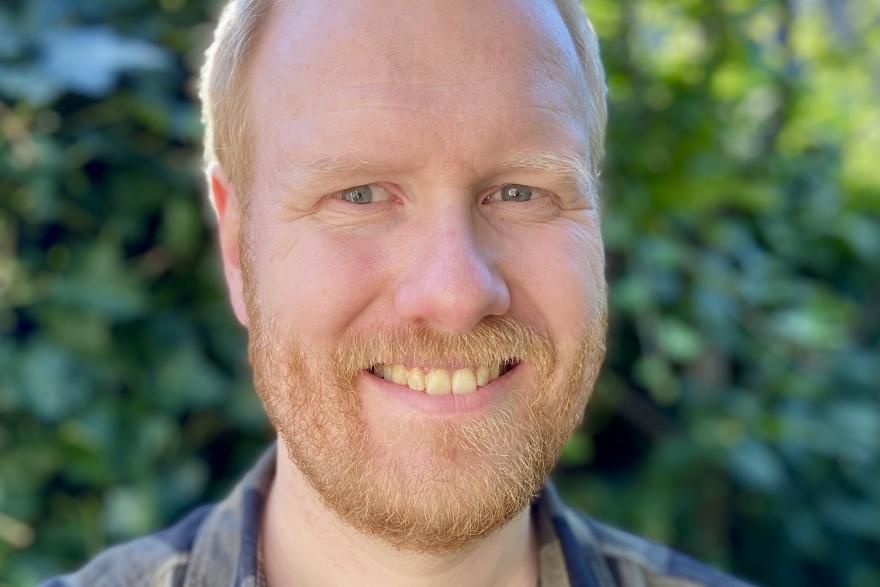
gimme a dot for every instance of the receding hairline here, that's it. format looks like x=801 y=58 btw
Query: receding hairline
x=226 y=98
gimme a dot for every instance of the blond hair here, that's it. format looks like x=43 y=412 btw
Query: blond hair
x=223 y=88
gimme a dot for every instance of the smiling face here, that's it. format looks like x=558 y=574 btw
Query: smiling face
x=422 y=269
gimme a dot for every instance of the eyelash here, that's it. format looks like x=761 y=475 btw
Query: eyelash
x=339 y=195
x=536 y=194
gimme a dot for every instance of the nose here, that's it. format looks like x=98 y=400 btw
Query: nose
x=452 y=281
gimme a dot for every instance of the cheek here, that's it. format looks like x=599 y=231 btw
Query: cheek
x=318 y=283
x=559 y=279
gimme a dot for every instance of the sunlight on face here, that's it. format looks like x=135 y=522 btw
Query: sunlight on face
x=425 y=209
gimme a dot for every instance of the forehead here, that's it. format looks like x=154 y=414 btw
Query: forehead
x=440 y=68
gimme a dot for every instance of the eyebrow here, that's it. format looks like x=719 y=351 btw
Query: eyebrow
x=337 y=165
x=328 y=167
x=572 y=168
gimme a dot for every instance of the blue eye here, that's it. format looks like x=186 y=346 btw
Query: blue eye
x=361 y=194
x=515 y=193
x=364 y=194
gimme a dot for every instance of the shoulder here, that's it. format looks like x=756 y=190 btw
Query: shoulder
x=208 y=547
x=157 y=560
x=618 y=558
x=634 y=558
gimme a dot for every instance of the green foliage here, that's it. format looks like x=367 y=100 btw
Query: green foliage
x=739 y=405
x=737 y=417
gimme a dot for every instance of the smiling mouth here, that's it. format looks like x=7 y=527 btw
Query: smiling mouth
x=438 y=381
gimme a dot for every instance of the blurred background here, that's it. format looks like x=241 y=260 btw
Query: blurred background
x=737 y=417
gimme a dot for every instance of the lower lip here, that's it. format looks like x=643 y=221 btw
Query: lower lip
x=440 y=405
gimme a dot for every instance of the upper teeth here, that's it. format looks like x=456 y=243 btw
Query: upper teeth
x=438 y=381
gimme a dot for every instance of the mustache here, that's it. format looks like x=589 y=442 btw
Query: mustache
x=495 y=339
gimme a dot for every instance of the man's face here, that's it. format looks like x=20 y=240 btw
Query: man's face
x=469 y=243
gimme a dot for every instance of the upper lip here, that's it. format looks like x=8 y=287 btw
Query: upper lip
x=506 y=365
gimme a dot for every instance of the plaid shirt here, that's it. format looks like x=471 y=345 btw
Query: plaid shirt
x=218 y=546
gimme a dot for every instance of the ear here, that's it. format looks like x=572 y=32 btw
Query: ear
x=227 y=208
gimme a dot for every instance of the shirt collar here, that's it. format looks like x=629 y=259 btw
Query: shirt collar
x=226 y=548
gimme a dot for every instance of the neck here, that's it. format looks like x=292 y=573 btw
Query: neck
x=304 y=543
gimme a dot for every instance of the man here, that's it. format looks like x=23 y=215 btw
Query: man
x=408 y=216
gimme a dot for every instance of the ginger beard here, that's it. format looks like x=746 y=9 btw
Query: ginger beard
x=421 y=484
